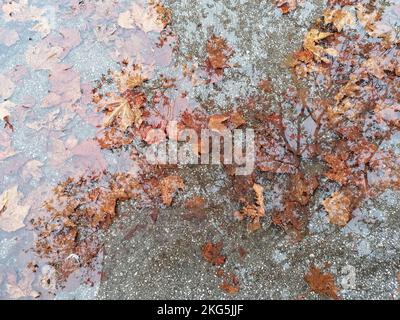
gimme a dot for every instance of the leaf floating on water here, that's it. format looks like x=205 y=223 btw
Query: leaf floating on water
x=339 y=18
x=8 y=37
x=21 y=288
x=154 y=18
x=7 y=87
x=126 y=114
x=312 y=38
x=12 y=214
x=339 y=208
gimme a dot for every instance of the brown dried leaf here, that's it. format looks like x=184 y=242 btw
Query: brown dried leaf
x=212 y=253
x=339 y=171
x=218 y=53
x=229 y=288
x=195 y=208
x=237 y=119
x=302 y=189
x=339 y=208
x=215 y=123
x=339 y=18
x=321 y=283
x=168 y=187
x=254 y=211
x=311 y=40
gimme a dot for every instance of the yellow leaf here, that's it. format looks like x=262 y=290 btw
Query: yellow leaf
x=311 y=41
x=128 y=115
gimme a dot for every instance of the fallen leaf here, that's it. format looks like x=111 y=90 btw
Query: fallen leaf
x=6 y=149
x=237 y=119
x=127 y=114
x=212 y=253
x=32 y=170
x=254 y=211
x=215 y=123
x=195 y=208
x=218 y=53
x=154 y=18
x=5 y=108
x=22 y=288
x=229 y=288
x=321 y=283
x=168 y=187
x=339 y=208
x=43 y=27
x=48 y=278
x=301 y=189
x=128 y=79
x=339 y=18
x=8 y=37
x=370 y=20
x=286 y=6
x=7 y=87
x=113 y=138
x=311 y=40
x=21 y=11
x=54 y=120
x=339 y=171
x=230 y=283
x=43 y=56
x=125 y=20
x=265 y=85
x=65 y=87
x=12 y=215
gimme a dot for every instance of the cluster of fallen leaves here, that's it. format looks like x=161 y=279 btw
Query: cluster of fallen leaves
x=253 y=211
x=212 y=253
x=82 y=208
x=84 y=205
x=361 y=74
